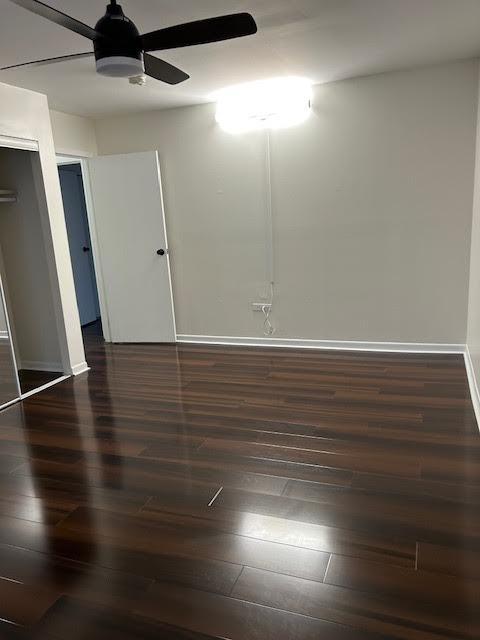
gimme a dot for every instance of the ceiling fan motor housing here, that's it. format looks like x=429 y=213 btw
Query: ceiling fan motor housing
x=119 y=53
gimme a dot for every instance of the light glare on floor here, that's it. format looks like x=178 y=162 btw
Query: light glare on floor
x=268 y=104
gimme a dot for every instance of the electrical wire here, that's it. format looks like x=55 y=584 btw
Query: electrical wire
x=268 y=327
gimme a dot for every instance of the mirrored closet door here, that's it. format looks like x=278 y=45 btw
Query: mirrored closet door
x=29 y=307
x=9 y=383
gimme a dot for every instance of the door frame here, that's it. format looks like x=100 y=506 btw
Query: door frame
x=66 y=158
x=63 y=159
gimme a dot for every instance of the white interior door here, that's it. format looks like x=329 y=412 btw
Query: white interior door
x=132 y=247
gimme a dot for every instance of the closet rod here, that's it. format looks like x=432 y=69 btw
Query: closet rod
x=7 y=195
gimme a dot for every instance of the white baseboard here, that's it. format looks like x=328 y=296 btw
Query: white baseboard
x=80 y=368
x=294 y=343
x=472 y=383
x=4 y=335
x=38 y=365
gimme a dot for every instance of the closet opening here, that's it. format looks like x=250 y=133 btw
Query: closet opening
x=31 y=356
x=72 y=184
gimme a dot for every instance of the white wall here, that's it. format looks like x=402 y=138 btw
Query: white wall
x=382 y=180
x=473 y=334
x=73 y=135
x=24 y=115
x=372 y=205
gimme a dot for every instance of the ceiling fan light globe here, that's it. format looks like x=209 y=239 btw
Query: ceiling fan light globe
x=120 y=67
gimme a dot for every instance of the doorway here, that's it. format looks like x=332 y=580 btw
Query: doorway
x=80 y=243
x=123 y=279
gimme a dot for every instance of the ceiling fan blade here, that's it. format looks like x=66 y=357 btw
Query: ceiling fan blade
x=163 y=71
x=45 y=61
x=58 y=17
x=235 y=25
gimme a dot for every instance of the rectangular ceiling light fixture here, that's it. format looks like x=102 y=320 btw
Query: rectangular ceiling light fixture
x=266 y=104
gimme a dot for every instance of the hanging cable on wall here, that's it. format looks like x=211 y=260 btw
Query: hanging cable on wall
x=268 y=327
x=265 y=105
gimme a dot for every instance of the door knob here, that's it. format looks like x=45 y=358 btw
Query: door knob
x=161 y=252
x=86 y=249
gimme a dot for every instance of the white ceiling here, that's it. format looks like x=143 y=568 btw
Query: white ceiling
x=323 y=40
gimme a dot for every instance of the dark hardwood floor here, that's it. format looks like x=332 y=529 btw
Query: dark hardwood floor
x=190 y=492
x=33 y=379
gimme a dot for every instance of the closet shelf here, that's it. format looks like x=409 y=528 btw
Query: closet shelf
x=6 y=195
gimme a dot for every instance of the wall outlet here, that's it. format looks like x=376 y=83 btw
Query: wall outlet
x=259 y=306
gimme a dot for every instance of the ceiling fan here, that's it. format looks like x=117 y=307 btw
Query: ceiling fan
x=120 y=51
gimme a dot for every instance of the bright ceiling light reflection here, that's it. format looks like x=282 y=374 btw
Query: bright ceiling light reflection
x=267 y=104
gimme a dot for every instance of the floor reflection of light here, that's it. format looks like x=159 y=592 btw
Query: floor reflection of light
x=10 y=580
x=28 y=502
x=29 y=487
x=298 y=534
x=31 y=508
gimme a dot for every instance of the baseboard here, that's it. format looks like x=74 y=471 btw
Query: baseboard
x=52 y=367
x=472 y=383
x=294 y=343
x=4 y=335
x=80 y=368
x=38 y=365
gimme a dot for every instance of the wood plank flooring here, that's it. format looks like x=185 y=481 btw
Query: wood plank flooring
x=30 y=379
x=344 y=493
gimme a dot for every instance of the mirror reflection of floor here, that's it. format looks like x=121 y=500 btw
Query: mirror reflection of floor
x=8 y=382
